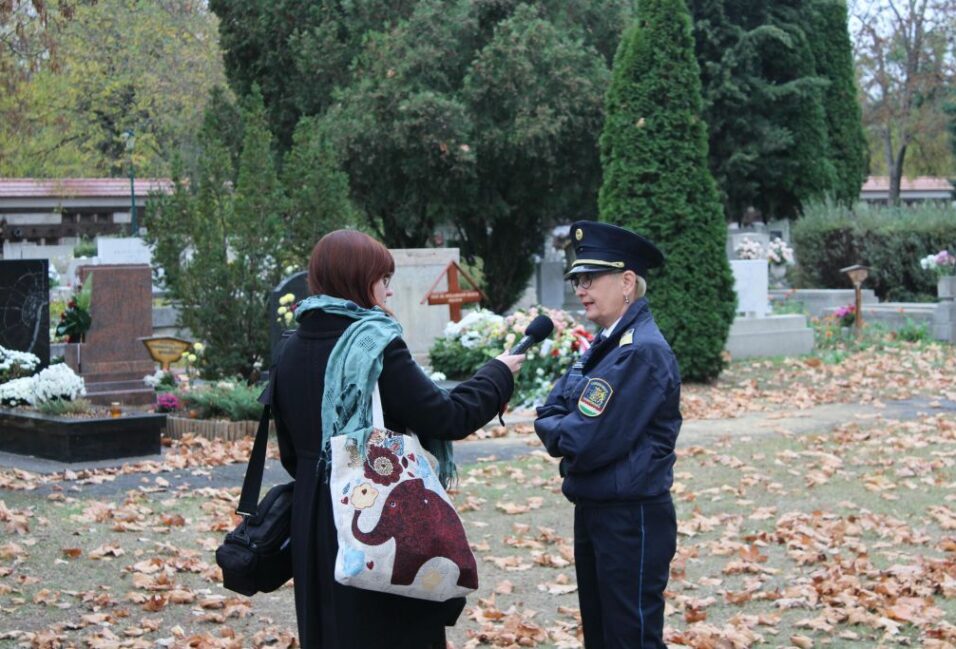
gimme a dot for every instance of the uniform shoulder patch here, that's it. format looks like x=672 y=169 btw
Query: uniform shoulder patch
x=626 y=338
x=595 y=397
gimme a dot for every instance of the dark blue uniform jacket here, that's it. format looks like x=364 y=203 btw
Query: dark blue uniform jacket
x=614 y=419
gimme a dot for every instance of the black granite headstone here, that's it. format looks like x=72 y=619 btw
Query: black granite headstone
x=25 y=307
x=299 y=287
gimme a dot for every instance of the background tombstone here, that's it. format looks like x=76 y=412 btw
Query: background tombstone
x=299 y=287
x=25 y=307
x=113 y=360
x=415 y=272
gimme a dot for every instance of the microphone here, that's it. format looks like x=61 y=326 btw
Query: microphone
x=539 y=329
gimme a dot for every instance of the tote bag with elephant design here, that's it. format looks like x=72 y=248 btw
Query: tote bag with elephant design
x=397 y=529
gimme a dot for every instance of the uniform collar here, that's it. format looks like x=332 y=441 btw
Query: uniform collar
x=635 y=312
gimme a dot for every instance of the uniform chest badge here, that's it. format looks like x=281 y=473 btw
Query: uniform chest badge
x=597 y=393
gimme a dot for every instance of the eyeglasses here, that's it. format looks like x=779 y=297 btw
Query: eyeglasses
x=584 y=280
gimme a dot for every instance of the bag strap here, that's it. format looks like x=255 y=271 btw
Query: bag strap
x=378 y=416
x=252 y=483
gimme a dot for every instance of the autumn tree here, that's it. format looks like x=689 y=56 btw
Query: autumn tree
x=657 y=183
x=904 y=54
x=484 y=115
x=120 y=65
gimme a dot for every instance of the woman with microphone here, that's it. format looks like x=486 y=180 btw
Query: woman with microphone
x=613 y=419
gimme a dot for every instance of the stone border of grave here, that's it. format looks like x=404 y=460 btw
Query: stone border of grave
x=223 y=429
x=80 y=439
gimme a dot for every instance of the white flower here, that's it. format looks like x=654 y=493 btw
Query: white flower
x=282 y=310
x=748 y=249
x=191 y=358
x=18 y=392
x=226 y=385
x=437 y=376
x=287 y=299
x=55 y=382
x=199 y=347
x=25 y=361
x=58 y=382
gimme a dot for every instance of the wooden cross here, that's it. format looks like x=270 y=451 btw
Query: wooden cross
x=454 y=297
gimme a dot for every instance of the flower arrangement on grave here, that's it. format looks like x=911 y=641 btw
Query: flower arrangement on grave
x=846 y=315
x=75 y=321
x=779 y=253
x=285 y=314
x=943 y=263
x=482 y=335
x=748 y=248
x=167 y=402
x=15 y=365
x=57 y=382
x=161 y=380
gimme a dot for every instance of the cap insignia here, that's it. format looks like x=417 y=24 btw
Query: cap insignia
x=578 y=234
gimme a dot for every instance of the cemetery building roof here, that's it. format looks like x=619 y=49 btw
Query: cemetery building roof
x=80 y=187
x=921 y=188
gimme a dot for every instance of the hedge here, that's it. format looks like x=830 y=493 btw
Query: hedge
x=890 y=240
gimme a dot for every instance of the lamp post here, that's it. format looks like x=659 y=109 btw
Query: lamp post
x=130 y=137
x=857 y=275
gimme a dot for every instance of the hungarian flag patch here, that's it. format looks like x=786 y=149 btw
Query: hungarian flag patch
x=597 y=393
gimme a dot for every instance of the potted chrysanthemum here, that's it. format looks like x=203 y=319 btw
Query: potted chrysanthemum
x=943 y=264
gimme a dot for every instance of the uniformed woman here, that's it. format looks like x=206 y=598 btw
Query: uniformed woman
x=613 y=419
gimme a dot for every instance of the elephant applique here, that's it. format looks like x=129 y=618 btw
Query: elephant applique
x=424 y=526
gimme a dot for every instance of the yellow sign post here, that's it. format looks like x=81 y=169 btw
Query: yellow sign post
x=165 y=349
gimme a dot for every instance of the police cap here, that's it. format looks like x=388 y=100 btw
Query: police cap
x=602 y=247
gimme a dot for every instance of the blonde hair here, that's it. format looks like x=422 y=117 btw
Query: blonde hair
x=640 y=287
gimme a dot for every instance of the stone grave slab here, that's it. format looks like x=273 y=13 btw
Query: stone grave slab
x=113 y=360
x=25 y=307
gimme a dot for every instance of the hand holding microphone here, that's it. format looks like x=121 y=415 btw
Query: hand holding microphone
x=539 y=329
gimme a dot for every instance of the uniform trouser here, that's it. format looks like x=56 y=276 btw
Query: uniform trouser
x=622 y=554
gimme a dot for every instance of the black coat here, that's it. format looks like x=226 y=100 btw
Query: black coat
x=332 y=616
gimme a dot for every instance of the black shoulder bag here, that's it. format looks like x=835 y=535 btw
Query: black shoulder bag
x=256 y=557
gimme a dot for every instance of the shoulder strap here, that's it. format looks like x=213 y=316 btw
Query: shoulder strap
x=252 y=483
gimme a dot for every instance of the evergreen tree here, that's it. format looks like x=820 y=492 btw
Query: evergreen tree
x=762 y=104
x=833 y=52
x=217 y=238
x=656 y=182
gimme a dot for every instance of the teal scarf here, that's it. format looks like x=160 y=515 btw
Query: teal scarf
x=352 y=372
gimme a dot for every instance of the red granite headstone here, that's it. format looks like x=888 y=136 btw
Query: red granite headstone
x=113 y=360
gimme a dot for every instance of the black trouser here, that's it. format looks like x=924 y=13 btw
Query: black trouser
x=622 y=554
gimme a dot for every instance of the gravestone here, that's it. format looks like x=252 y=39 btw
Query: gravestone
x=25 y=307
x=415 y=272
x=113 y=360
x=751 y=285
x=296 y=284
x=123 y=250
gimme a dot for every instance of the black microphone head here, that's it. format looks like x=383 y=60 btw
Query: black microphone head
x=540 y=328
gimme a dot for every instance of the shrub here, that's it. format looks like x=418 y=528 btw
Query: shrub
x=60 y=407
x=224 y=400
x=891 y=241
x=482 y=335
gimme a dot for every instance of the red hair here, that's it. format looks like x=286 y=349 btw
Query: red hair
x=346 y=264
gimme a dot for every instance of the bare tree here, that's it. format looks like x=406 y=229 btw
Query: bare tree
x=905 y=52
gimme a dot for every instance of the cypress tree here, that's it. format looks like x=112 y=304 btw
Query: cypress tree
x=657 y=183
x=833 y=52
